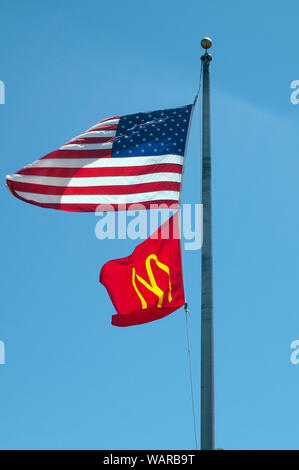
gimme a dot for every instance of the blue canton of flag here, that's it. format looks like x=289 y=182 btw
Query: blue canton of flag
x=153 y=133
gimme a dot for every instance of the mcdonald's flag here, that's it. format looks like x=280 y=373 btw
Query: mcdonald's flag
x=148 y=284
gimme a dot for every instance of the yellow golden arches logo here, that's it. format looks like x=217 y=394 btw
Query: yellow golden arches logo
x=153 y=287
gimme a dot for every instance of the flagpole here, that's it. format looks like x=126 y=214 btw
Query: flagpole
x=207 y=330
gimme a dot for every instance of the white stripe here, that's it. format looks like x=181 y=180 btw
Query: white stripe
x=110 y=122
x=102 y=146
x=100 y=199
x=97 y=180
x=105 y=162
x=87 y=135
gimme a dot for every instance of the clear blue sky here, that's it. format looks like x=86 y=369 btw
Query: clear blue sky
x=72 y=381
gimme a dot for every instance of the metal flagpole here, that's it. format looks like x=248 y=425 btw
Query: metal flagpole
x=207 y=330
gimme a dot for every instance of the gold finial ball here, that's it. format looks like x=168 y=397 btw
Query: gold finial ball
x=206 y=43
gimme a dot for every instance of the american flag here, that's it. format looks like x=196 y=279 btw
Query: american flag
x=137 y=158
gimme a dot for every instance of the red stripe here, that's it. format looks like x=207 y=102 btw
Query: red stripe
x=91 y=140
x=93 y=207
x=111 y=127
x=95 y=190
x=90 y=172
x=100 y=122
x=173 y=204
x=108 y=119
x=107 y=153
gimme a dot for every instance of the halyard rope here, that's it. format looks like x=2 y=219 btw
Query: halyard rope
x=190 y=373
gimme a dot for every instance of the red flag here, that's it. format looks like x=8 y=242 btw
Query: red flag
x=148 y=284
